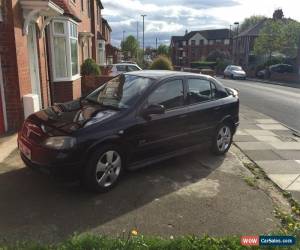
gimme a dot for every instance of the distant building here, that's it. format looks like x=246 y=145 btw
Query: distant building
x=243 y=44
x=197 y=45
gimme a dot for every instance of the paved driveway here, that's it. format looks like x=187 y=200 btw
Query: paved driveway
x=193 y=194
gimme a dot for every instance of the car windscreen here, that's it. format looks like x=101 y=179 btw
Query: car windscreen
x=236 y=68
x=122 y=91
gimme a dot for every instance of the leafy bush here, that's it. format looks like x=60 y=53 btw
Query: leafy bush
x=203 y=65
x=162 y=63
x=90 y=67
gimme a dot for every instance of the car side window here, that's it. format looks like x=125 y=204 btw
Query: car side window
x=199 y=91
x=170 y=95
x=121 y=68
x=132 y=68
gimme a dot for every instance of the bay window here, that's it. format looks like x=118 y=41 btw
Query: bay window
x=1 y=9
x=101 y=52
x=64 y=41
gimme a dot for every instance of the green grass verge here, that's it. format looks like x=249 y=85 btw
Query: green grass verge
x=93 y=242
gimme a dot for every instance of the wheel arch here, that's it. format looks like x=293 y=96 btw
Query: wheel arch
x=228 y=119
x=115 y=140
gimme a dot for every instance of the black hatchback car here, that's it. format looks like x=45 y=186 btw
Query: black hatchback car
x=133 y=120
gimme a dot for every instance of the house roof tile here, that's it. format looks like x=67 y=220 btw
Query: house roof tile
x=216 y=34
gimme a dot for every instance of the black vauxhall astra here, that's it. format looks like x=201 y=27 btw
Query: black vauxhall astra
x=133 y=120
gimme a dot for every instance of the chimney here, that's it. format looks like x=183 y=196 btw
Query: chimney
x=186 y=32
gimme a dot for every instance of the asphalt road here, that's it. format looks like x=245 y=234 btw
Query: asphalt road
x=280 y=102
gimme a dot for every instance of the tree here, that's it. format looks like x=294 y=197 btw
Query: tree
x=250 y=22
x=278 y=14
x=271 y=39
x=130 y=47
x=163 y=50
x=291 y=34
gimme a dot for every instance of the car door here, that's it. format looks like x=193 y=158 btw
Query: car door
x=160 y=134
x=205 y=109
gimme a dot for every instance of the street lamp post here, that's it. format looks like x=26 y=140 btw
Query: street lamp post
x=143 y=37
x=237 y=29
x=124 y=35
x=235 y=41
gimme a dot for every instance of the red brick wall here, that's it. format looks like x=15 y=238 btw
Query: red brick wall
x=9 y=68
x=66 y=91
x=15 y=63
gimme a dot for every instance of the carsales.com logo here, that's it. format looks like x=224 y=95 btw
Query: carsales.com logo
x=268 y=240
x=250 y=240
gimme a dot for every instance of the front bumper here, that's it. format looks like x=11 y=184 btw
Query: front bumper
x=240 y=76
x=64 y=163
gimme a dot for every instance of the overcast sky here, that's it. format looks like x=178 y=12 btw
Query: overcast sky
x=172 y=17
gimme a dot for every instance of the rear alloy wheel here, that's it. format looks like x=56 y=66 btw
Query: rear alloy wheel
x=104 y=170
x=222 y=140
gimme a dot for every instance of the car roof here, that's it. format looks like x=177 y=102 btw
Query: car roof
x=162 y=74
x=119 y=64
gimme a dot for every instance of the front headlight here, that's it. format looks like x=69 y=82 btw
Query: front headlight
x=60 y=142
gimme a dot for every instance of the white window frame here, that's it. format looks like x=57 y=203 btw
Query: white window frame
x=1 y=10
x=100 y=62
x=68 y=38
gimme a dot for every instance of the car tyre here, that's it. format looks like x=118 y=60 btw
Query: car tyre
x=232 y=77
x=104 y=169
x=222 y=139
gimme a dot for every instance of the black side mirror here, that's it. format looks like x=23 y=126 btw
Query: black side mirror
x=154 y=109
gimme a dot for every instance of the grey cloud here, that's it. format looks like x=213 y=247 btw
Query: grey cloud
x=173 y=13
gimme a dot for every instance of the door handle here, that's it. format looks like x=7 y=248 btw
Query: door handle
x=217 y=108
x=183 y=116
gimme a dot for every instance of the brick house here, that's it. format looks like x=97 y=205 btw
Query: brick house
x=197 y=45
x=42 y=46
x=243 y=44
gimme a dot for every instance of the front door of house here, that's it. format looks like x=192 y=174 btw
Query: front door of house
x=33 y=62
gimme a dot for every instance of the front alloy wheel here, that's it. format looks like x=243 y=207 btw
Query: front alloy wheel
x=104 y=169
x=108 y=168
x=223 y=139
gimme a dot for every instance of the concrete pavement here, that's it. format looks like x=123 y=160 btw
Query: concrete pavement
x=7 y=145
x=273 y=147
x=194 y=194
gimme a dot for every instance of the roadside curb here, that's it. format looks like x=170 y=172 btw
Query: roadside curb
x=291 y=85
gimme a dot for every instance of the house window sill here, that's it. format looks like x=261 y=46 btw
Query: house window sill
x=67 y=79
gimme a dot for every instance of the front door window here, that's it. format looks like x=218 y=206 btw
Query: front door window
x=170 y=95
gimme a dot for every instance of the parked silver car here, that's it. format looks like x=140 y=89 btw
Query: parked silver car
x=117 y=69
x=235 y=72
